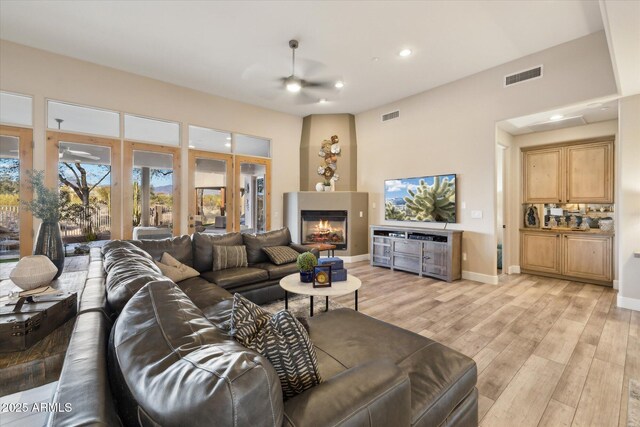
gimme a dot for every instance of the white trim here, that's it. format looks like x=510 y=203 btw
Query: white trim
x=479 y=277
x=616 y=284
x=629 y=303
x=513 y=269
x=355 y=258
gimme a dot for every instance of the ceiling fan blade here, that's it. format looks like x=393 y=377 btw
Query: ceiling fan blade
x=320 y=84
x=78 y=153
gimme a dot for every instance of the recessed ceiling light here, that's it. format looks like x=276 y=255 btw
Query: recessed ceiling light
x=339 y=84
x=604 y=108
x=595 y=105
x=322 y=100
x=192 y=146
x=228 y=138
x=228 y=144
x=405 y=52
x=375 y=59
x=556 y=117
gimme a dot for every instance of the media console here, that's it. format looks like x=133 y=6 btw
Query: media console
x=428 y=252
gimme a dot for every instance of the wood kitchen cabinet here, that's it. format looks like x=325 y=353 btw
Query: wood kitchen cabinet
x=542 y=172
x=576 y=256
x=589 y=173
x=573 y=172
x=540 y=252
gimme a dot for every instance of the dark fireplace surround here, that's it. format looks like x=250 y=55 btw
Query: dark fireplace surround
x=324 y=226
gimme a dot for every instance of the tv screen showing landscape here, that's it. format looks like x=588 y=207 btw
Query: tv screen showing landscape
x=425 y=199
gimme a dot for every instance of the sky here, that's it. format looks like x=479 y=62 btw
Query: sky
x=397 y=188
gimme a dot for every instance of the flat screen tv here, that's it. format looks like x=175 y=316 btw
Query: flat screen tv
x=425 y=199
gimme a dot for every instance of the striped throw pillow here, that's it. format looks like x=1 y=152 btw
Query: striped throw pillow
x=229 y=257
x=282 y=339
x=281 y=254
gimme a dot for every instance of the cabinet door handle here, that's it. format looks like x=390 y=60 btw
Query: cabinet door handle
x=557 y=235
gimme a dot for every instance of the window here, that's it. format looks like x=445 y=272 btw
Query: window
x=252 y=146
x=151 y=130
x=16 y=109
x=152 y=189
x=76 y=118
x=209 y=139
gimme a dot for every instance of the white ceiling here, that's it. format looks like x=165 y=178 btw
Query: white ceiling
x=239 y=50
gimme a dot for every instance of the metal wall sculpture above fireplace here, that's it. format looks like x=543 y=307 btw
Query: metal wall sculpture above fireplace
x=328 y=227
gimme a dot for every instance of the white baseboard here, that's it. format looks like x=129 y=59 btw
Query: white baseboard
x=629 y=303
x=355 y=258
x=616 y=284
x=479 y=277
x=513 y=269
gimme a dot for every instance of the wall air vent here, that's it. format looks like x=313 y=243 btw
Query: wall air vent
x=522 y=76
x=391 y=116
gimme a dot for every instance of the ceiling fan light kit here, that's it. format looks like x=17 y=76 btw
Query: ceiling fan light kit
x=296 y=84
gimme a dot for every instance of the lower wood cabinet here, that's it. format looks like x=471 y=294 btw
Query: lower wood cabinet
x=581 y=257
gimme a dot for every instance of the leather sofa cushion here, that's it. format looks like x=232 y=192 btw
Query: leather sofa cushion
x=278 y=271
x=118 y=250
x=255 y=243
x=203 y=247
x=169 y=364
x=440 y=377
x=214 y=301
x=128 y=272
x=178 y=247
x=234 y=277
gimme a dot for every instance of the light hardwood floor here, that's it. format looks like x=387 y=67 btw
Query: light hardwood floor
x=549 y=352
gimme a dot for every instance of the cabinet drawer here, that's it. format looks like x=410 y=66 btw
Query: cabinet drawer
x=407 y=247
x=406 y=263
x=438 y=270
x=379 y=260
x=381 y=250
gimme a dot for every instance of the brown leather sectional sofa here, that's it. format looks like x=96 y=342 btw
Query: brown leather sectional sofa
x=169 y=360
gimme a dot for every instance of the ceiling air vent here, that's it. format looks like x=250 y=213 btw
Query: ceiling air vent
x=519 y=77
x=391 y=116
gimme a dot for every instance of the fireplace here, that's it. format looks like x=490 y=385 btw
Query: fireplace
x=324 y=227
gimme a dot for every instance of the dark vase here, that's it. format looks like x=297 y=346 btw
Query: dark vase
x=306 y=276
x=49 y=244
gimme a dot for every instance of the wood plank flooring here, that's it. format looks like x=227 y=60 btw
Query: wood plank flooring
x=549 y=352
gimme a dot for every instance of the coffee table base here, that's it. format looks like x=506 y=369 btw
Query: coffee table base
x=326 y=302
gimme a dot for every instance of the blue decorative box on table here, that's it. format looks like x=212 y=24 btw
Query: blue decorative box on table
x=338 y=272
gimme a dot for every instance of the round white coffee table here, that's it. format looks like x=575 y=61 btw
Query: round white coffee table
x=292 y=283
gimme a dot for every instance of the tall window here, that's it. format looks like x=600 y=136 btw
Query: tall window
x=152 y=189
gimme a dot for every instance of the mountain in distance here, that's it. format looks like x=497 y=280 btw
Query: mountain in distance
x=163 y=189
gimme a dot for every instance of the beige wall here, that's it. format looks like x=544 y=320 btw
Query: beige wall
x=539 y=138
x=315 y=129
x=628 y=206
x=46 y=75
x=451 y=129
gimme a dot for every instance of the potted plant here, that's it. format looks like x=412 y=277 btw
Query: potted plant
x=46 y=205
x=306 y=261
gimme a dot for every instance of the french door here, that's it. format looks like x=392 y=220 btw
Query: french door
x=16 y=158
x=87 y=171
x=151 y=187
x=253 y=194
x=211 y=195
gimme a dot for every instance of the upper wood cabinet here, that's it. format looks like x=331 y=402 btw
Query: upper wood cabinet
x=543 y=175
x=590 y=173
x=575 y=172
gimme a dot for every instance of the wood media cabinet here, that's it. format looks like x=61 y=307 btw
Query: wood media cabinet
x=428 y=252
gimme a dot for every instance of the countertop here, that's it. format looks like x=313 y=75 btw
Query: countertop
x=569 y=231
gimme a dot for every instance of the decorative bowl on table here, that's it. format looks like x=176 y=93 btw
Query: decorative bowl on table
x=33 y=272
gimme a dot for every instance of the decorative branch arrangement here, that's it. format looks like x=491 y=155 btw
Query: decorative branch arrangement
x=330 y=151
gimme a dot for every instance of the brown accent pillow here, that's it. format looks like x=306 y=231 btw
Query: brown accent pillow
x=281 y=254
x=229 y=257
x=174 y=269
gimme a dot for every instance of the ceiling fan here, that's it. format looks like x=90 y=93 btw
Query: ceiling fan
x=76 y=153
x=295 y=83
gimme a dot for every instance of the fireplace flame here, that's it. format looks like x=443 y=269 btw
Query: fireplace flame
x=323 y=227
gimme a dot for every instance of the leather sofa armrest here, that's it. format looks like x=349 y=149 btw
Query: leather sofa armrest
x=377 y=393
x=303 y=248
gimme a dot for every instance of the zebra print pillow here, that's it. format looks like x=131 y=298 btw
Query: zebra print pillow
x=247 y=319
x=282 y=340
